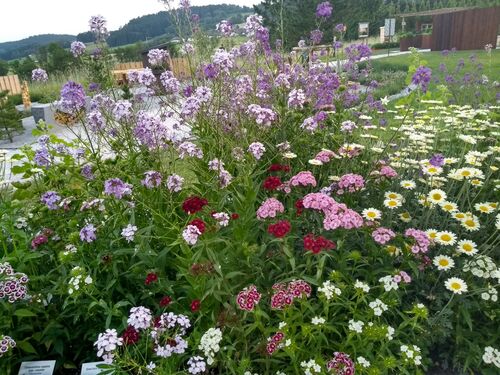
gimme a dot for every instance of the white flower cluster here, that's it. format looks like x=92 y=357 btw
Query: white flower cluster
x=140 y=317
x=482 y=266
x=329 y=289
x=356 y=325
x=310 y=367
x=490 y=294
x=196 y=365
x=209 y=343
x=362 y=286
x=222 y=218
x=389 y=283
x=411 y=354
x=79 y=280
x=363 y=362
x=317 y=320
x=21 y=222
x=491 y=356
x=106 y=343
x=378 y=307
x=390 y=333
x=176 y=325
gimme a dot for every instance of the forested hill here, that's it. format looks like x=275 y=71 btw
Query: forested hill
x=152 y=25
x=28 y=46
x=137 y=29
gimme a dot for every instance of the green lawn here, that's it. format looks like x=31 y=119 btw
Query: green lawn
x=434 y=59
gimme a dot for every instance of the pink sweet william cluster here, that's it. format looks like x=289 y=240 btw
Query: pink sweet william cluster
x=248 y=298
x=350 y=183
x=275 y=342
x=422 y=241
x=286 y=293
x=270 y=208
x=383 y=235
x=304 y=178
x=337 y=215
x=325 y=156
x=402 y=276
x=341 y=364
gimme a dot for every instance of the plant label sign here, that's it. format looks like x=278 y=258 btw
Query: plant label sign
x=37 y=368
x=91 y=368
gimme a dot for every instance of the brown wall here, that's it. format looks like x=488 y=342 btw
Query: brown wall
x=468 y=29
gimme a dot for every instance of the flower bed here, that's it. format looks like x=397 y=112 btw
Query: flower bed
x=299 y=226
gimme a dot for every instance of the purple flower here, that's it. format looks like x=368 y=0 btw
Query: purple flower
x=210 y=71
x=117 y=188
x=157 y=56
x=296 y=98
x=263 y=116
x=356 y=52
x=86 y=172
x=437 y=160
x=340 y=28
x=224 y=27
x=257 y=149
x=42 y=157
x=50 y=199
x=422 y=77
x=122 y=110
x=93 y=86
x=316 y=36
x=72 y=97
x=77 y=48
x=97 y=26
x=174 y=183
x=324 y=10
x=87 y=234
x=128 y=232
x=95 y=121
x=152 y=179
x=169 y=82
x=39 y=75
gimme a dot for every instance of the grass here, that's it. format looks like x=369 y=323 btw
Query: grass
x=47 y=92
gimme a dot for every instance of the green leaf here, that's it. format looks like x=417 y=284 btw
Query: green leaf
x=25 y=346
x=23 y=313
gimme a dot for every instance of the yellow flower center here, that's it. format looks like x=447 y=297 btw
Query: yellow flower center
x=392 y=196
x=432 y=170
x=392 y=203
x=484 y=208
x=467 y=247
x=371 y=214
x=455 y=286
x=445 y=237
x=432 y=235
x=436 y=196
x=470 y=223
x=443 y=262
x=448 y=207
x=465 y=173
x=460 y=216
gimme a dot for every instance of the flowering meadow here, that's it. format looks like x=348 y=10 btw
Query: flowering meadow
x=261 y=217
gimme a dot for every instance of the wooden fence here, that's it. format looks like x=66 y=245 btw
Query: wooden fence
x=180 y=67
x=10 y=83
x=129 y=65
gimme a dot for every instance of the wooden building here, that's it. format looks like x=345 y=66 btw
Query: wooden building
x=460 y=28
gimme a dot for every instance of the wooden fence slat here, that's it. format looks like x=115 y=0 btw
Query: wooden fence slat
x=10 y=83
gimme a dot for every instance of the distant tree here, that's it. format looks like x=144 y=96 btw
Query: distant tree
x=10 y=118
x=24 y=67
x=4 y=68
x=53 y=58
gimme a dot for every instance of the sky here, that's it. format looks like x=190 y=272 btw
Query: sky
x=33 y=17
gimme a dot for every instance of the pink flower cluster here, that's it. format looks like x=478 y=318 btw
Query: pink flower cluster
x=325 y=156
x=337 y=215
x=274 y=342
x=383 y=235
x=350 y=182
x=304 y=178
x=422 y=241
x=248 y=298
x=286 y=294
x=341 y=364
x=270 y=208
x=191 y=234
x=402 y=276
x=13 y=285
x=388 y=172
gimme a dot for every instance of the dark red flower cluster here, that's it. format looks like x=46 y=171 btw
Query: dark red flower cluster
x=248 y=298
x=151 y=278
x=235 y=216
x=317 y=244
x=286 y=293
x=194 y=204
x=165 y=301
x=299 y=206
x=280 y=229
x=200 y=224
x=272 y=183
x=205 y=268
x=130 y=336
x=42 y=238
x=274 y=342
x=279 y=168
x=195 y=305
x=341 y=363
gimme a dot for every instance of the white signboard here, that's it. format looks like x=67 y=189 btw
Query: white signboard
x=363 y=29
x=91 y=368
x=390 y=27
x=37 y=368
